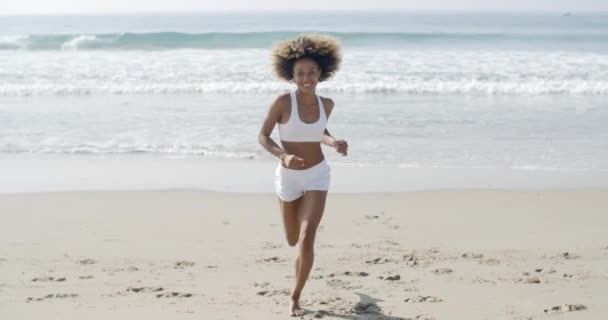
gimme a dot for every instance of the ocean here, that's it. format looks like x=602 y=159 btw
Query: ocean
x=523 y=91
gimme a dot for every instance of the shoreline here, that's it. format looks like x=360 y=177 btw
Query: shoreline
x=58 y=173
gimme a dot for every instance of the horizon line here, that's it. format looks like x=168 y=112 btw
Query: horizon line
x=363 y=10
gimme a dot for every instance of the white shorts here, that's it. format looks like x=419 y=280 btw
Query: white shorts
x=291 y=184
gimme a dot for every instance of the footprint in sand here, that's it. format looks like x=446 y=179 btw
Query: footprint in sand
x=539 y=270
x=86 y=261
x=174 y=295
x=483 y=281
x=530 y=280
x=418 y=299
x=543 y=270
x=470 y=255
x=183 y=264
x=112 y=270
x=45 y=279
x=145 y=289
x=356 y=274
x=271 y=293
x=272 y=259
x=337 y=283
x=392 y=243
x=320 y=314
x=341 y=284
x=390 y=278
x=378 y=261
x=489 y=262
x=566 y=308
x=411 y=260
x=328 y=301
x=270 y=245
x=443 y=271
x=53 y=296
x=425 y=259
x=568 y=256
x=261 y=284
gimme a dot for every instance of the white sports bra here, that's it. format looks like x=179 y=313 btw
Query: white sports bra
x=297 y=131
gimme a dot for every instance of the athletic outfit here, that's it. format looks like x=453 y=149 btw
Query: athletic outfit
x=291 y=184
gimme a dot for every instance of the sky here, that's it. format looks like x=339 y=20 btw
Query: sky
x=10 y=7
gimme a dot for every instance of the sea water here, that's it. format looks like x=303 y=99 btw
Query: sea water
x=416 y=90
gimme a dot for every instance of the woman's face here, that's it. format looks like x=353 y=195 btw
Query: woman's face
x=306 y=73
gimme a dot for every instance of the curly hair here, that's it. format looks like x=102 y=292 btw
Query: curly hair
x=323 y=49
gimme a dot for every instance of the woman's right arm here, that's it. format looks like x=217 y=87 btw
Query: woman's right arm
x=272 y=118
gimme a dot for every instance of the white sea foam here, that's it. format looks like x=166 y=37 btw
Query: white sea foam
x=248 y=71
x=83 y=41
x=533 y=132
x=14 y=42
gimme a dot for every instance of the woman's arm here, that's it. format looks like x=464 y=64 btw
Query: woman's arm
x=272 y=118
x=328 y=139
x=341 y=146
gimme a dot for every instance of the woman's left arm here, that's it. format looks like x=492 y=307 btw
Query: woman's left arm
x=341 y=146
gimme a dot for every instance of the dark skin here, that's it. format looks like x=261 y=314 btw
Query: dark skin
x=302 y=216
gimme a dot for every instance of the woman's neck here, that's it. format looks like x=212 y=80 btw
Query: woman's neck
x=306 y=96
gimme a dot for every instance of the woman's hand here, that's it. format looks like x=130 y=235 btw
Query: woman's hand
x=341 y=147
x=291 y=161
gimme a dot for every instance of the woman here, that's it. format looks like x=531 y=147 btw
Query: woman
x=302 y=176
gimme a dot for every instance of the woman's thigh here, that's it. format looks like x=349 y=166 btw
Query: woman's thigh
x=312 y=207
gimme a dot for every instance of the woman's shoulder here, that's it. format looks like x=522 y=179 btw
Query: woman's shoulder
x=282 y=100
x=284 y=97
x=328 y=105
x=327 y=102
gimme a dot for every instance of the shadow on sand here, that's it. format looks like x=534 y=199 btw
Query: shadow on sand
x=366 y=309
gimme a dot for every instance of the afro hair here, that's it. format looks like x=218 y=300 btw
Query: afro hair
x=323 y=49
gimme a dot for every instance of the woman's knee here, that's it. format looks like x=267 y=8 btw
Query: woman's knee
x=292 y=239
x=307 y=234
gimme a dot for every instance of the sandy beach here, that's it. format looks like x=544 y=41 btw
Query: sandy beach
x=133 y=184
x=468 y=254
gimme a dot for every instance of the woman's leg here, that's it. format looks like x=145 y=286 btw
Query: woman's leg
x=291 y=220
x=311 y=211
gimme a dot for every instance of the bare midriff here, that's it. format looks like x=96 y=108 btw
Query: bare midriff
x=309 y=151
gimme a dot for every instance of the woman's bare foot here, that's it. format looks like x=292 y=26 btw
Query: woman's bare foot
x=296 y=310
